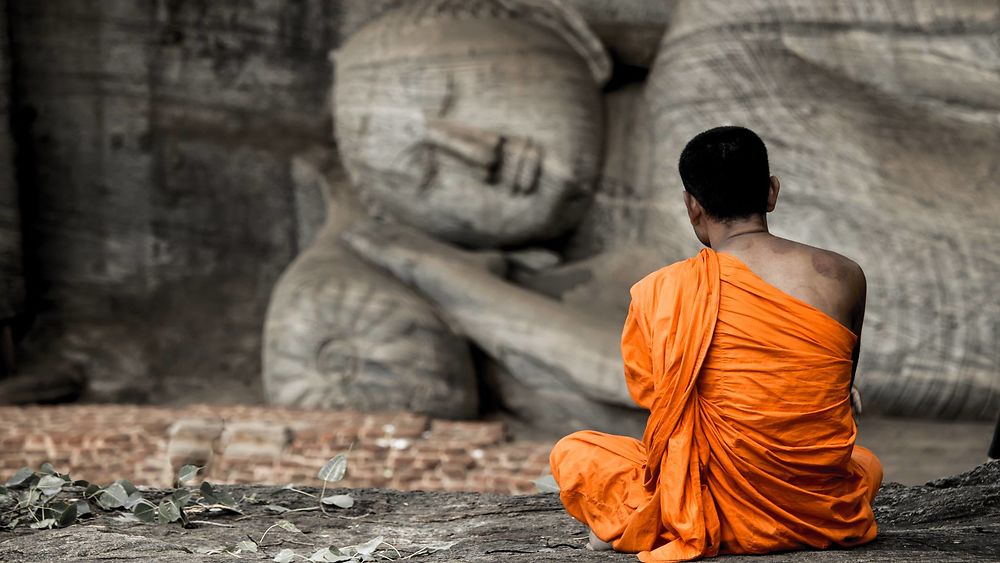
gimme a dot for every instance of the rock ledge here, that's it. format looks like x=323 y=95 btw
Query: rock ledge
x=951 y=519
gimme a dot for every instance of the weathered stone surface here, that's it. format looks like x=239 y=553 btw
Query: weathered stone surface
x=561 y=367
x=11 y=267
x=479 y=122
x=630 y=29
x=154 y=141
x=608 y=252
x=955 y=519
x=342 y=334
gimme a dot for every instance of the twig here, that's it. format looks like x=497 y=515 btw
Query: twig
x=418 y=552
x=306 y=509
x=262 y=536
x=398 y=554
x=283 y=540
x=202 y=507
x=294 y=490
x=212 y=523
x=365 y=515
x=555 y=545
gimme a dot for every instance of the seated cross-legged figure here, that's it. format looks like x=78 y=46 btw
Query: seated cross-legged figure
x=744 y=356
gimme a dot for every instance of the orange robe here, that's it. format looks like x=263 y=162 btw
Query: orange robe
x=749 y=447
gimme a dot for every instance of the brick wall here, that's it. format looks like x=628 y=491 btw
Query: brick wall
x=268 y=445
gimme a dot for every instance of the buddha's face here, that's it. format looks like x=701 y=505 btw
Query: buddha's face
x=486 y=132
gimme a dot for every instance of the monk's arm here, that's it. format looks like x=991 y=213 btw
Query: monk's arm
x=635 y=354
x=857 y=322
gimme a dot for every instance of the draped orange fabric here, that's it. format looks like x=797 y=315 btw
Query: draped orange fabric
x=749 y=447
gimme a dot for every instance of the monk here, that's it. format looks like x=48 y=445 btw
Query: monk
x=745 y=357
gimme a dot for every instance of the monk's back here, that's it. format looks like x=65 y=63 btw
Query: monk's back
x=826 y=280
x=744 y=356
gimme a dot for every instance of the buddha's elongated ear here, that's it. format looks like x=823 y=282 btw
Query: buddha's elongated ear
x=572 y=28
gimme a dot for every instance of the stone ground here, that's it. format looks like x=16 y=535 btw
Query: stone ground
x=953 y=519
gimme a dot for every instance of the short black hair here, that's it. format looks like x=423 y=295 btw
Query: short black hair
x=726 y=170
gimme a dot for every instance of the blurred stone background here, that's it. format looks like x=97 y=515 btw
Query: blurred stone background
x=147 y=171
x=154 y=140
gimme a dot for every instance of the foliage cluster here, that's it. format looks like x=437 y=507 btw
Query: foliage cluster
x=48 y=499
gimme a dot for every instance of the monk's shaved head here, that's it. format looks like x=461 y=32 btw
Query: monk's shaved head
x=726 y=170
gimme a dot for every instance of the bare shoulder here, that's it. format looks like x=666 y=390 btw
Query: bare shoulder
x=819 y=263
x=838 y=269
x=845 y=285
x=826 y=280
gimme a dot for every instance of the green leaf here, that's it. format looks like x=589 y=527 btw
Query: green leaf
x=187 y=473
x=47 y=469
x=546 y=484
x=208 y=493
x=91 y=490
x=132 y=500
x=340 y=501
x=213 y=496
x=276 y=508
x=83 y=509
x=168 y=511
x=81 y=483
x=286 y=525
x=51 y=510
x=321 y=554
x=145 y=511
x=113 y=496
x=127 y=485
x=67 y=516
x=369 y=546
x=46 y=524
x=30 y=497
x=334 y=469
x=21 y=477
x=50 y=485
x=326 y=555
x=181 y=497
x=247 y=545
x=284 y=556
x=225 y=498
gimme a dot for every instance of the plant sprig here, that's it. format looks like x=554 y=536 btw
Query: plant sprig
x=50 y=499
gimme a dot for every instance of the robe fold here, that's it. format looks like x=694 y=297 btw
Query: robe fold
x=749 y=446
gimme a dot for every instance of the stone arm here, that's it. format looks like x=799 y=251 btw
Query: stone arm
x=542 y=341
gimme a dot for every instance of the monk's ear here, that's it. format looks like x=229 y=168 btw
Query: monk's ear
x=694 y=209
x=772 y=193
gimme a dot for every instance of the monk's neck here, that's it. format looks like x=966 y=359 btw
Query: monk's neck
x=722 y=235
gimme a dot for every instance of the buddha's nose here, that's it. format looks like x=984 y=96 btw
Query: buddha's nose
x=505 y=160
